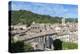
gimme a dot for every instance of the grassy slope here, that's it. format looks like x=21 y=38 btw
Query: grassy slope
x=69 y=45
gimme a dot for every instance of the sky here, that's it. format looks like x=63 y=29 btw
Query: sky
x=52 y=9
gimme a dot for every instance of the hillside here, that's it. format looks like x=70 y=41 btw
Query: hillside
x=27 y=17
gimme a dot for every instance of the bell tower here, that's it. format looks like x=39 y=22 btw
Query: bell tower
x=63 y=21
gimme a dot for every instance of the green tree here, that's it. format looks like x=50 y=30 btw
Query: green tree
x=20 y=46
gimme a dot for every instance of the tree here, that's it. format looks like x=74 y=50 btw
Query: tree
x=17 y=47
x=20 y=46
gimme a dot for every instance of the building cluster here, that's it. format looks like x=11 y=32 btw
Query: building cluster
x=65 y=31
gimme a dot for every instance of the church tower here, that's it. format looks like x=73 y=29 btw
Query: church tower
x=63 y=21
